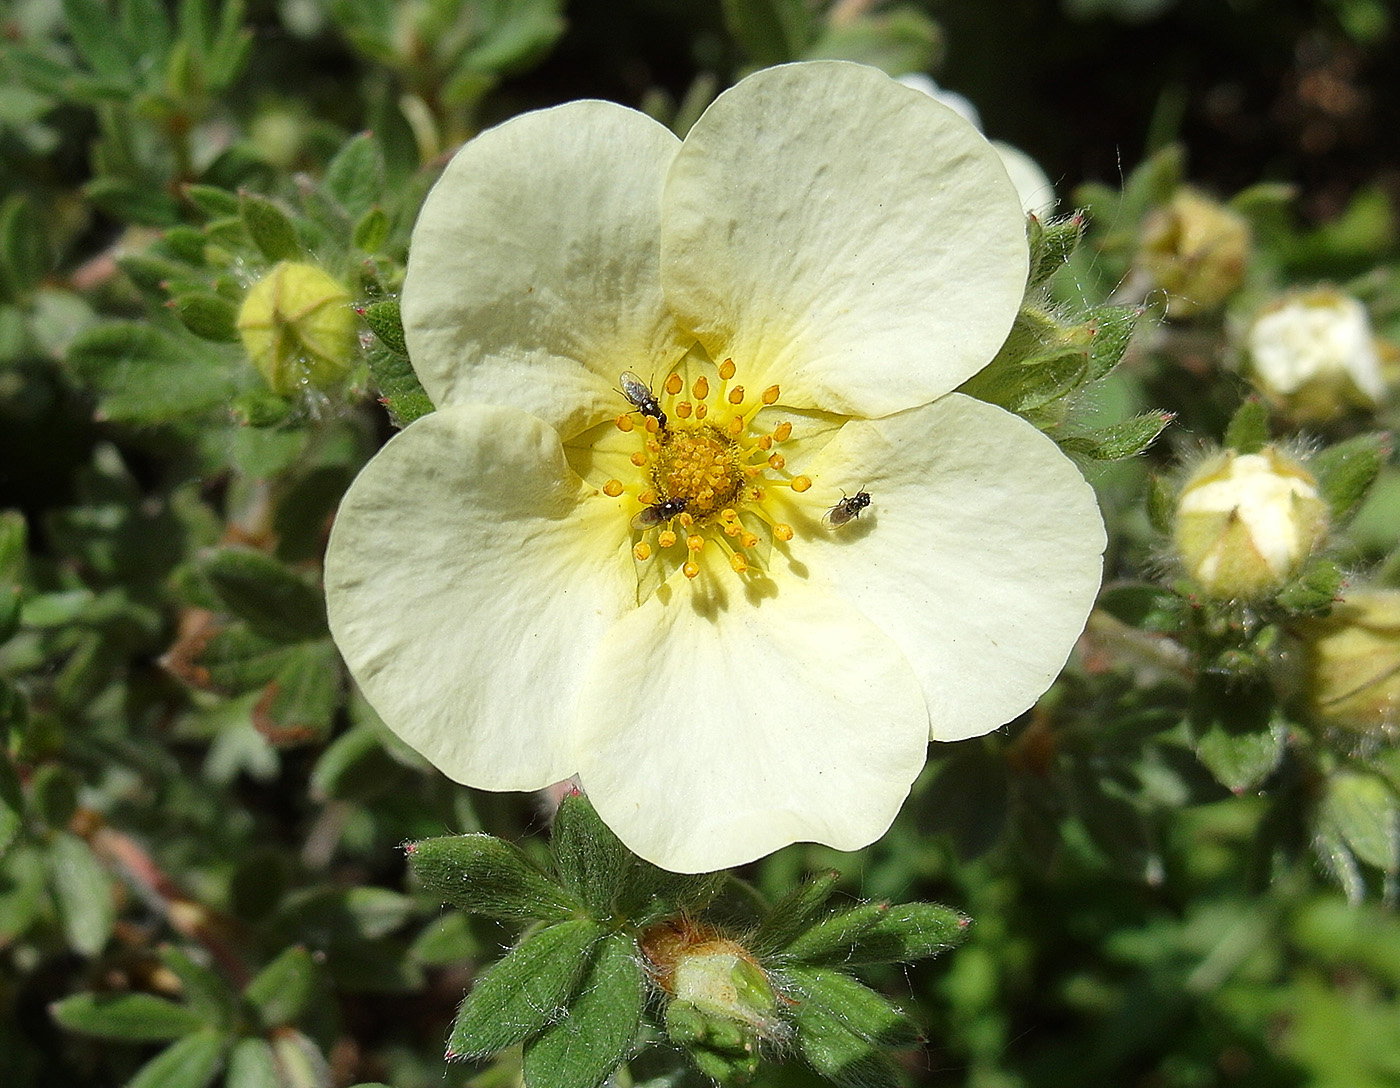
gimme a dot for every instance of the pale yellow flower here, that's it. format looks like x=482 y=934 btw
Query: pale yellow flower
x=821 y=261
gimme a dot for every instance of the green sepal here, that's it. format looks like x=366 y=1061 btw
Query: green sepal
x=207 y=314
x=386 y=322
x=1121 y=440
x=133 y=201
x=1346 y=471
x=134 y=1017
x=843 y=1028
x=592 y=862
x=907 y=932
x=794 y=912
x=1110 y=330
x=486 y=875
x=1248 y=430
x=193 y=1062
x=1051 y=244
x=282 y=990
x=1314 y=591
x=274 y=601
x=832 y=937
x=151 y=272
x=269 y=227
x=599 y=1030
x=725 y=1050
x=525 y=991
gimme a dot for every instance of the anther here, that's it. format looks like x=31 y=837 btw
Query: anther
x=771 y=394
x=639 y=458
x=695 y=543
x=777 y=460
x=654 y=446
x=736 y=395
x=624 y=423
x=701 y=409
x=691 y=569
x=726 y=369
x=651 y=424
x=684 y=408
x=736 y=426
x=642 y=550
x=612 y=489
x=647 y=497
x=686 y=519
x=732 y=528
x=674 y=384
x=801 y=483
x=750 y=540
x=782 y=531
x=738 y=562
x=765 y=441
x=701 y=388
x=782 y=432
x=665 y=539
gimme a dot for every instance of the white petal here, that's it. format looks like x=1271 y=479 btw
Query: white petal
x=980 y=555
x=533 y=274
x=843 y=235
x=717 y=729
x=469 y=577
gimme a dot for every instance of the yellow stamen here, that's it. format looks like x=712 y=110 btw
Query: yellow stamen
x=691 y=569
x=736 y=395
x=727 y=369
x=665 y=539
x=612 y=489
x=782 y=432
x=642 y=550
x=651 y=424
x=639 y=459
x=782 y=531
x=695 y=543
x=647 y=497
x=684 y=408
x=749 y=540
x=674 y=384
x=771 y=394
x=777 y=461
x=624 y=423
x=738 y=563
x=736 y=426
x=800 y=483
x=701 y=410
x=765 y=441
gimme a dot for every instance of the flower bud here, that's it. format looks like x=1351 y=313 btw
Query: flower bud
x=1196 y=250
x=1352 y=662
x=1245 y=523
x=715 y=979
x=298 y=327
x=1314 y=356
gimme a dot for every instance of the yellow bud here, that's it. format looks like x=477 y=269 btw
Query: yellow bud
x=1196 y=250
x=1245 y=523
x=1352 y=661
x=1313 y=355
x=298 y=328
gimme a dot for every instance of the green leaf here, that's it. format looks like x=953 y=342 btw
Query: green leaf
x=843 y=1028
x=907 y=932
x=354 y=766
x=269 y=227
x=208 y=315
x=485 y=875
x=252 y=1065
x=591 y=861
x=598 y=1032
x=100 y=41
x=1315 y=590
x=282 y=990
x=1346 y=471
x=1363 y=811
x=275 y=602
x=82 y=892
x=1161 y=503
x=11 y=802
x=355 y=177
x=1235 y=734
x=794 y=912
x=135 y=1017
x=770 y=31
x=304 y=695
x=133 y=201
x=24 y=251
x=1248 y=431
x=193 y=1062
x=371 y=231
x=214 y=202
x=525 y=991
x=399 y=389
x=897 y=42
x=385 y=321
x=1121 y=440
x=206 y=993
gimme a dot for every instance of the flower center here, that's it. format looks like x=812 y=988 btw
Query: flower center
x=706 y=477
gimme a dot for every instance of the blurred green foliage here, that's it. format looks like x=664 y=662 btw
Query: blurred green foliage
x=1179 y=873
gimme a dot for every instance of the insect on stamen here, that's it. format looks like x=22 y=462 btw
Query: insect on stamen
x=640 y=396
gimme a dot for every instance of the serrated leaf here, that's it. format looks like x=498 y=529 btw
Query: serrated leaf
x=1248 y=431
x=794 y=912
x=1126 y=439
x=100 y=41
x=592 y=863
x=525 y=991
x=302 y=698
x=82 y=892
x=135 y=1017
x=486 y=875
x=281 y=991
x=269 y=227
x=1346 y=471
x=599 y=1029
x=193 y=1062
x=274 y=601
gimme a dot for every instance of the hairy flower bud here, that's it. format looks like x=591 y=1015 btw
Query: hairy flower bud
x=298 y=327
x=713 y=978
x=1245 y=523
x=1353 y=661
x=1314 y=356
x=1196 y=250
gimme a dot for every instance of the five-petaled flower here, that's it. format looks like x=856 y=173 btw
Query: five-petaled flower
x=539 y=580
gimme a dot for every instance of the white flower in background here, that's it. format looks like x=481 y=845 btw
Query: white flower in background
x=538 y=580
x=1032 y=185
x=1314 y=355
x=1246 y=523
